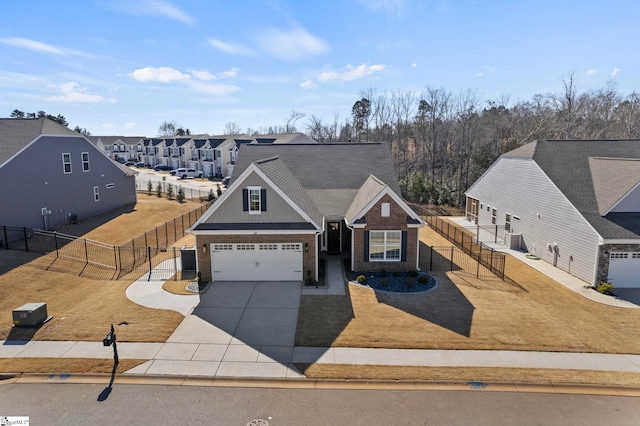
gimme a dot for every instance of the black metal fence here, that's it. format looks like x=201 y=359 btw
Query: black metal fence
x=148 y=253
x=463 y=239
x=189 y=193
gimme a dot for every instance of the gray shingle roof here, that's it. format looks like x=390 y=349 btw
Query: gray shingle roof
x=567 y=164
x=16 y=133
x=369 y=190
x=281 y=176
x=331 y=174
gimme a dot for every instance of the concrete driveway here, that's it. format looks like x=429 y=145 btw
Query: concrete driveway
x=239 y=329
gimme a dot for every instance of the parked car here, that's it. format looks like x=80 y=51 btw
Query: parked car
x=140 y=165
x=225 y=181
x=184 y=173
x=161 y=168
x=129 y=163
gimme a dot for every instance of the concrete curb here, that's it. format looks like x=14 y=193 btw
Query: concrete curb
x=327 y=384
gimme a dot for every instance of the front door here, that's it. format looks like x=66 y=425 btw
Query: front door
x=333 y=238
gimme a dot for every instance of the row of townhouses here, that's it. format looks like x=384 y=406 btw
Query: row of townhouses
x=213 y=155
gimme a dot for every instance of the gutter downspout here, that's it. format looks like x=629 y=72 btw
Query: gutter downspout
x=352 y=235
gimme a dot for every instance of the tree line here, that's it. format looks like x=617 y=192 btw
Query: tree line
x=442 y=141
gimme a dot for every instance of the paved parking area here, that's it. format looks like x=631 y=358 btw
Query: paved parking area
x=237 y=329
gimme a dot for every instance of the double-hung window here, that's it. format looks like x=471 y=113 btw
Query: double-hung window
x=85 y=161
x=254 y=200
x=385 y=245
x=66 y=163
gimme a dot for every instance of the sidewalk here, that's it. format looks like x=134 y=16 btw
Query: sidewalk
x=569 y=281
x=209 y=360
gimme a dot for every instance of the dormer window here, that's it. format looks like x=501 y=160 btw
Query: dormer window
x=254 y=200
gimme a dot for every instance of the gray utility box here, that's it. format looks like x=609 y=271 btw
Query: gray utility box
x=30 y=314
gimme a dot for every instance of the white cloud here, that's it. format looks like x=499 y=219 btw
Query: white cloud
x=229 y=74
x=36 y=46
x=203 y=75
x=591 y=72
x=216 y=89
x=231 y=49
x=149 y=8
x=107 y=125
x=350 y=73
x=414 y=65
x=72 y=92
x=161 y=74
x=113 y=101
x=488 y=68
x=308 y=84
x=389 y=6
x=129 y=125
x=478 y=74
x=291 y=45
x=615 y=72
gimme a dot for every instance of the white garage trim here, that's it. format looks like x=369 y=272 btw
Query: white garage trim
x=256 y=262
x=624 y=269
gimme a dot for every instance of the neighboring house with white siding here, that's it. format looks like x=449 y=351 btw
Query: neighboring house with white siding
x=575 y=204
x=51 y=173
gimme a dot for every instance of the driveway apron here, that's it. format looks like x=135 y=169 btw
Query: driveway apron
x=239 y=329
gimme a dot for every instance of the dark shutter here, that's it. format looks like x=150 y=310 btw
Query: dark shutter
x=403 y=249
x=263 y=200
x=245 y=200
x=365 y=246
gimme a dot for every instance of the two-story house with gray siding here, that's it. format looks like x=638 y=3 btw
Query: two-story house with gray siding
x=574 y=204
x=51 y=173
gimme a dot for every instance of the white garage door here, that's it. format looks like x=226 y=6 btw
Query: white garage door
x=624 y=269
x=256 y=262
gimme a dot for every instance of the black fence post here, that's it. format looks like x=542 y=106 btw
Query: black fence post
x=182 y=221
x=6 y=240
x=451 y=264
x=26 y=244
x=491 y=260
x=431 y=258
x=150 y=266
x=157 y=240
x=495 y=236
x=478 y=266
x=175 y=231
x=175 y=265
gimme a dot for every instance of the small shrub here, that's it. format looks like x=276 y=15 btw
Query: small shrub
x=180 y=195
x=149 y=187
x=413 y=273
x=408 y=282
x=384 y=282
x=396 y=274
x=423 y=279
x=219 y=191
x=603 y=287
x=383 y=272
x=211 y=196
x=159 y=190
x=361 y=279
x=170 y=192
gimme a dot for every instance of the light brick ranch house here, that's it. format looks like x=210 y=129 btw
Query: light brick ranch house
x=288 y=203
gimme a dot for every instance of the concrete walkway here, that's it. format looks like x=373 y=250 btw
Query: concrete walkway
x=569 y=281
x=211 y=360
x=335 y=280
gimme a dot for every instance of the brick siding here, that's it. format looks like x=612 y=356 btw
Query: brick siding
x=397 y=221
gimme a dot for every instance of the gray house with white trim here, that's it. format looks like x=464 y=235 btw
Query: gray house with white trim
x=574 y=204
x=51 y=174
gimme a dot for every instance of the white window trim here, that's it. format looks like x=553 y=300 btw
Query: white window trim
x=255 y=188
x=384 y=246
x=87 y=162
x=64 y=163
x=96 y=193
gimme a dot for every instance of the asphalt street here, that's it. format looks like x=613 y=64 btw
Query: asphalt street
x=83 y=404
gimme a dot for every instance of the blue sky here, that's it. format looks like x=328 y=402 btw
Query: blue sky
x=121 y=67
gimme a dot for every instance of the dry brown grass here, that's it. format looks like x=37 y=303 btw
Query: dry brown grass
x=84 y=308
x=532 y=313
x=66 y=365
x=477 y=374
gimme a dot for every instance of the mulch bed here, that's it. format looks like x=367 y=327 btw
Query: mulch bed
x=397 y=282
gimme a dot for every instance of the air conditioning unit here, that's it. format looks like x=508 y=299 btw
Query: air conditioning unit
x=30 y=314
